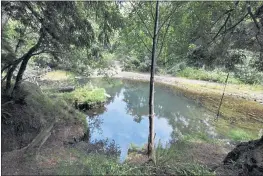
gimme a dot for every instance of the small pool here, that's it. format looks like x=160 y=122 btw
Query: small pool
x=125 y=118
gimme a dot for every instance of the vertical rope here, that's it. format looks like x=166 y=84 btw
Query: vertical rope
x=218 y=111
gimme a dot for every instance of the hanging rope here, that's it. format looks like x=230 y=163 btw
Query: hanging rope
x=218 y=111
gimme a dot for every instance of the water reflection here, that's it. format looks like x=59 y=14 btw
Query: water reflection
x=125 y=119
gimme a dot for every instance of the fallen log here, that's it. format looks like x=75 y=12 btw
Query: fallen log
x=67 y=89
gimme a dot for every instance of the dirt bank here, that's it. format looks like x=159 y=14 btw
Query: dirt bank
x=237 y=91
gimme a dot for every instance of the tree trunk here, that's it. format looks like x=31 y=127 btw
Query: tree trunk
x=151 y=97
x=21 y=72
x=8 y=80
x=25 y=60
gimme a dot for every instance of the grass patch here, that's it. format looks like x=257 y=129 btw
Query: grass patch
x=198 y=137
x=58 y=75
x=85 y=94
x=100 y=164
x=240 y=135
x=96 y=164
x=201 y=74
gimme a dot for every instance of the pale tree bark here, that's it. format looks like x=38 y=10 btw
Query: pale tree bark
x=151 y=97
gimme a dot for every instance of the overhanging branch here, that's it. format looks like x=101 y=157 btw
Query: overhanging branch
x=148 y=31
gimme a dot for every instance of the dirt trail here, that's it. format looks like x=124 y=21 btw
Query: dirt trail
x=238 y=91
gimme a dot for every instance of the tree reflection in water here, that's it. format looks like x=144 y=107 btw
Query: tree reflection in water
x=125 y=118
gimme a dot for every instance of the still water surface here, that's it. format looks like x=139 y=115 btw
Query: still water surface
x=125 y=119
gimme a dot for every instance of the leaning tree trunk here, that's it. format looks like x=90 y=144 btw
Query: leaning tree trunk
x=8 y=79
x=151 y=97
x=25 y=60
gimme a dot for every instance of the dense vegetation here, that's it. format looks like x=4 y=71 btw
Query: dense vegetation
x=208 y=41
x=218 y=37
x=213 y=37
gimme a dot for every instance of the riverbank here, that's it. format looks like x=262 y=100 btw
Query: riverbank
x=66 y=150
x=248 y=92
x=241 y=91
x=40 y=129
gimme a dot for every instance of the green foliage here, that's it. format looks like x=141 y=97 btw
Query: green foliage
x=171 y=160
x=247 y=71
x=84 y=94
x=134 y=64
x=100 y=164
x=97 y=164
x=44 y=108
x=239 y=135
x=201 y=74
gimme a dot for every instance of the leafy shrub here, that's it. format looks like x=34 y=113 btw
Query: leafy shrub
x=131 y=64
x=182 y=66
x=201 y=74
x=144 y=67
x=134 y=64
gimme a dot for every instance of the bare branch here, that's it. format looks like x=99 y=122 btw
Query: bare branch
x=224 y=25
x=45 y=51
x=238 y=22
x=166 y=31
x=228 y=29
x=228 y=11
x=144 y=44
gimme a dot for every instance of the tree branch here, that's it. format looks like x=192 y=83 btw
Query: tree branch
x=252 y=16
x=228 y=11
x=166 y=31
x=238 y=22
x=171 y=13
x=144 y=44
x=224 y=25
x=152 y=10
x=148 y=31
x=13 y=63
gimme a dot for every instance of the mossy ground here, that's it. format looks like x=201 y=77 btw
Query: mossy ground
x=58 y=75
x=234 y=112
